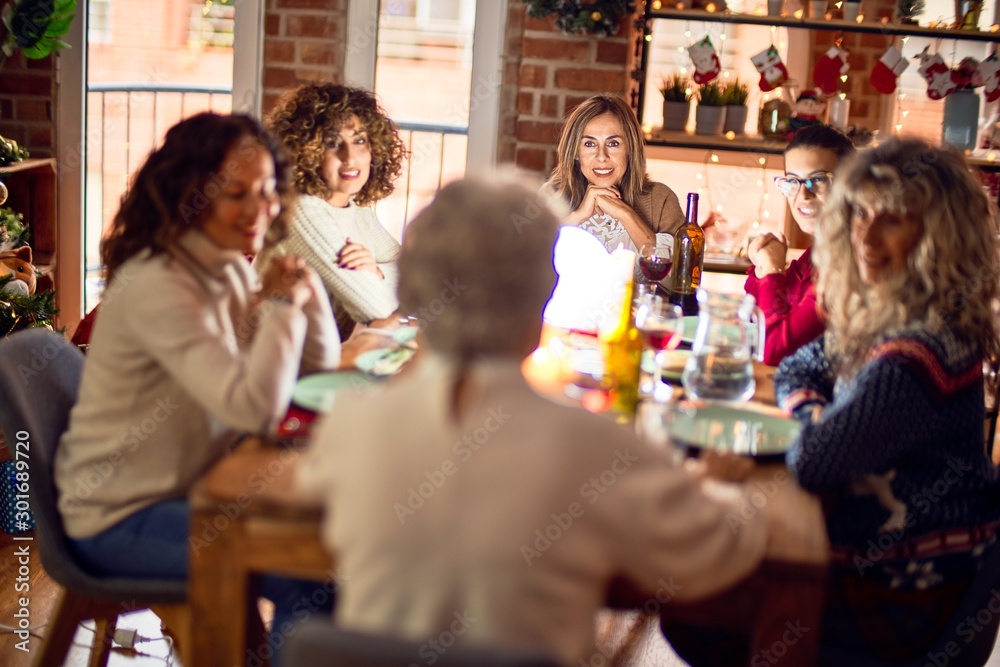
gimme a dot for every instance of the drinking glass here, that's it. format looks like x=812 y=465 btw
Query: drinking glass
x=655 y=260
x=661 y=326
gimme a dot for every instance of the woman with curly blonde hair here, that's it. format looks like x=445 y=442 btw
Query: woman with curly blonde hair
x=601 y=173
x=346 y=155
x=891 y=398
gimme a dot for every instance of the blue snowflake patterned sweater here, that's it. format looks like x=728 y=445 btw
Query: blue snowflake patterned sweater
x=899 y=447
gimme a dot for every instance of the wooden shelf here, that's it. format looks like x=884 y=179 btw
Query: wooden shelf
x=742 y=142
x=824 y=24
x=32 y=187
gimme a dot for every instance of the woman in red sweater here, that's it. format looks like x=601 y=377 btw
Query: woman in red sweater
x=788 y=295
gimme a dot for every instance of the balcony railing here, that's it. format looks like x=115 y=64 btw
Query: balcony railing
x=126 y=120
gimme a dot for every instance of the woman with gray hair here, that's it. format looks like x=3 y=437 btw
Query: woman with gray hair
x=461 y=501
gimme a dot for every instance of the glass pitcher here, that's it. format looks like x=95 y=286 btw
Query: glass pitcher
x=729 y=336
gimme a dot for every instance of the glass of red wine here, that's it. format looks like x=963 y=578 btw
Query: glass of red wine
x=655 y=260
x=661 y=326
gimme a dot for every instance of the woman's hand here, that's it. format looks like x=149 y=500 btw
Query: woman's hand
x=356 y=257
x=591 y=203
x=288 y=278
x=767 y=253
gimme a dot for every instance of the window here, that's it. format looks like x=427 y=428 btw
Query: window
x=99 y=21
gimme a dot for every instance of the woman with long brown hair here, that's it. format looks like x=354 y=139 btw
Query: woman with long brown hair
x=601 y=173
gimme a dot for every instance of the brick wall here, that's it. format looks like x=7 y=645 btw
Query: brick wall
x=303 y=42
x=27 y=92
x=546 y=74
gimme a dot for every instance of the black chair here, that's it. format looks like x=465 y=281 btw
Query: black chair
x=39 y=378
x=318 y=643
x=963 y=643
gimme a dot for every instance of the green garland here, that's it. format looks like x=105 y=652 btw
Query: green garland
x=25 y=312
x=597 y=17
x=13 y=231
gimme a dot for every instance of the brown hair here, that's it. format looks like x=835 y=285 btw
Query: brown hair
x=567 y=179
x=175 y=186
x=310 y=117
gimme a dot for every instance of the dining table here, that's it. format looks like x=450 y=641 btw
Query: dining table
x=249 y=518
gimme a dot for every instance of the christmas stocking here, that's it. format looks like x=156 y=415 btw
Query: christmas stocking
x=937 y=74
x=772 y=70
x=829 y=69
x=989 y=69
x=705 y=59
x=887 y=70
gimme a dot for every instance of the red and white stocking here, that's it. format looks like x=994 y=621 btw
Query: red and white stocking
x=772 y=70
x=829 y=69
x=887 y=70
x=939 y=80
x=989 y=69
x=705 y=60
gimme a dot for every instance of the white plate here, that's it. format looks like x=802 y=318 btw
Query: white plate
x=739 y=430
x=383 y=362
x=317 y=392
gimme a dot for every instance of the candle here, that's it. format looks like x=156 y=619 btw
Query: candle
x=624 y=262
x=840 y=111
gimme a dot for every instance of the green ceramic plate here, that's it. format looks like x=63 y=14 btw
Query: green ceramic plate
x=673 y=368
x=733 y=429
x=317 y=392
x=381 y=363
x=690 y=326
x=405 y=335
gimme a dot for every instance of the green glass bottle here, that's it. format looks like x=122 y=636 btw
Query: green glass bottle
x=689 y=259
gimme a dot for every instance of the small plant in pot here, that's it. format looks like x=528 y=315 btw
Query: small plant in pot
x=710 y=114
x=736 y=93
x=676 y=92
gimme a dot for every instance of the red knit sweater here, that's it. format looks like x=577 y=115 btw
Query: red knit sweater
x=789 y=304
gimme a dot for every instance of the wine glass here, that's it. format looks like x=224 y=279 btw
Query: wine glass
x=655 y=260
x=661 y=326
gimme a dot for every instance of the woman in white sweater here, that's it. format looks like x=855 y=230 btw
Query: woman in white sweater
x=346 y=155
x=190 y=350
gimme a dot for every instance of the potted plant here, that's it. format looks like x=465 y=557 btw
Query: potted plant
x=710 y=114
x=676 y=102
x=34 y=27
x=907 y=11
x=736 y=93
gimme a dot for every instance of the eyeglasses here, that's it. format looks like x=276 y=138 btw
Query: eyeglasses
x=818 y=184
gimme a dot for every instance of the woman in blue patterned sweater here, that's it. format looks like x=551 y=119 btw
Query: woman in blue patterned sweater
x=891 y=398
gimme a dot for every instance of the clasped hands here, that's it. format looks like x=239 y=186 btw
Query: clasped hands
x=767 y=253
x=288 y=278
x=598 y=200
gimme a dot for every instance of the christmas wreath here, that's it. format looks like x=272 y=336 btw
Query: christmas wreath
x=598 y=17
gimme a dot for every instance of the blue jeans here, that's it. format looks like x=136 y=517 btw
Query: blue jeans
x=153 y=543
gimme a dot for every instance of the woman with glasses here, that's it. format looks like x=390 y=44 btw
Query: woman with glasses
x=601 y=173
x=788 y=295
x=891 y=396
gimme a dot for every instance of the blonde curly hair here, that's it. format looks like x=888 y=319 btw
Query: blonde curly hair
x=309 y=118
x=953 y=269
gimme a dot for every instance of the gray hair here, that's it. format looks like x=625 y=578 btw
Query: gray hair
x=477 y=269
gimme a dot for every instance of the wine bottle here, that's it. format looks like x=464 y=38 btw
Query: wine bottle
x=621 y=345
x=689 y=259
